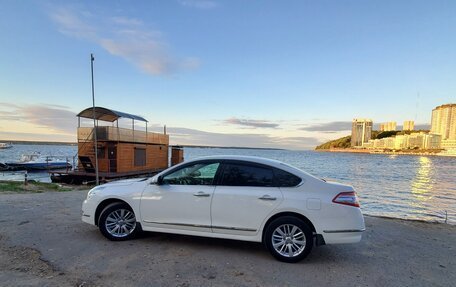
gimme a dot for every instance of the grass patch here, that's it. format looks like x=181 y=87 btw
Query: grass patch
x=32 y=187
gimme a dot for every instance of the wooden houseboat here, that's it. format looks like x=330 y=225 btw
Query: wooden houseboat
x=121 y=152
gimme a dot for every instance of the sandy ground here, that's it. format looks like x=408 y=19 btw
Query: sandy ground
x=44 y=243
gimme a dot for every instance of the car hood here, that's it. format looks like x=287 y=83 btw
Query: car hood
x=125 y=182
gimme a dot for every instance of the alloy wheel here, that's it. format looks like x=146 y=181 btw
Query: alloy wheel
x=120 y=223
x=288 y=240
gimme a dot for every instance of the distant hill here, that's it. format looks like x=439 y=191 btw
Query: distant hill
x=338 y=143
x=345 y=141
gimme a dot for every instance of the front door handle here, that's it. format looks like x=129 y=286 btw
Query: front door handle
x=267 y=197
x=202 y=194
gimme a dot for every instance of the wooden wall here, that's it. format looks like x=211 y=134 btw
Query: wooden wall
x=156 y=156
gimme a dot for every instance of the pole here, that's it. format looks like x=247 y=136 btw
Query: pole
x=94 y=123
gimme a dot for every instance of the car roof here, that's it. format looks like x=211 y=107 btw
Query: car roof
x=254 y=159
x=257 y=159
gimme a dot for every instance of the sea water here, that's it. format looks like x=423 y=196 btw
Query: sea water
x=402 y=186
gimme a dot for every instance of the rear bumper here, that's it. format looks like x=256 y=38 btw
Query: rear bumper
x=344 y=224
x=342 y=236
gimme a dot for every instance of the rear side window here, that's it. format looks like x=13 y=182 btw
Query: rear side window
x=246 y=175
x=285 y=179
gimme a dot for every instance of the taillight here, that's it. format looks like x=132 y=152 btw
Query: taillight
x=347 y=198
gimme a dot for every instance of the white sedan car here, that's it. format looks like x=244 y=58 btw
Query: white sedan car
x=233 y=197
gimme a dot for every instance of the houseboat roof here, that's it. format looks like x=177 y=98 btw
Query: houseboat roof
x=108 y=115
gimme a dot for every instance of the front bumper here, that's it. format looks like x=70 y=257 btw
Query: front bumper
x=88 y=212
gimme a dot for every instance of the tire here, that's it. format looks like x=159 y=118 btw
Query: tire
x=117 y=222
x=288 y=239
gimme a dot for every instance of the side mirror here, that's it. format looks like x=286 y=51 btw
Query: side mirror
x=159 y=180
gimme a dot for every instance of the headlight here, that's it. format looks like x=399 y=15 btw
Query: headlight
x=94 y=190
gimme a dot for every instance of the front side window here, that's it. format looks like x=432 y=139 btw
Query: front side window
x=246 y=175
x=195 y=174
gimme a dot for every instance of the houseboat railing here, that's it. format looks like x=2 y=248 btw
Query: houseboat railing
x=109 y=133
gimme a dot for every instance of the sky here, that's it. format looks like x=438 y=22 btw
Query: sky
x=279 y=74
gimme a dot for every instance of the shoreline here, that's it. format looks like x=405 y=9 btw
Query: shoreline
x=408 y=219
x=350 y=150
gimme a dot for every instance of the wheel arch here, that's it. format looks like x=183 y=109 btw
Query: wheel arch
x=102 y=205
x=287 y=213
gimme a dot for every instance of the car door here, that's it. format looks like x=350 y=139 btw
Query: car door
x=182 y=200
x=243 y=198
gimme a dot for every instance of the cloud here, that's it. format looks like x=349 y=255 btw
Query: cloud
x=128 y=38
x=57 y=119
x=329 y=127
x=16 y=136
x=72 y=23
x=10 y=105
x=127 y=21
x=55 y=106
x=186 y=136
x=200 y=4
x=251 y=123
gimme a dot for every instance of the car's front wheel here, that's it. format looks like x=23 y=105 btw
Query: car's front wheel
x=118 y=222
x=289 y=239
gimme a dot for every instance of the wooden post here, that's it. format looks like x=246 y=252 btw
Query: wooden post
x=118 y=132
x=97 y=182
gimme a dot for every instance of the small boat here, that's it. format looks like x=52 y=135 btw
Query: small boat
x=5 y=145
x=4 y=167
x=37 y=162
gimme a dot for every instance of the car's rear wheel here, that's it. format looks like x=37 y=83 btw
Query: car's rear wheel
x=118 y=222
x=289 y=239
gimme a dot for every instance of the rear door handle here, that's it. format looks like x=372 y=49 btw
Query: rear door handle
x=267 y=197
x=202 y=194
